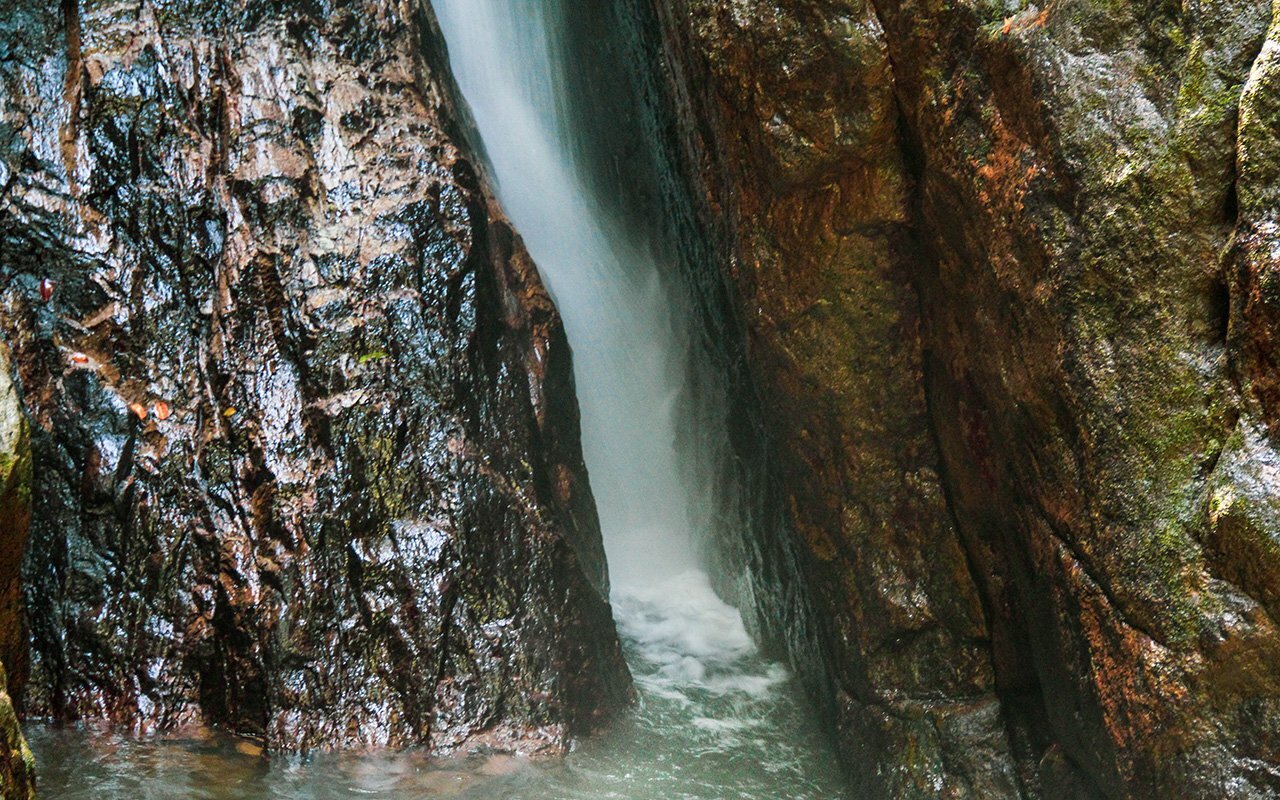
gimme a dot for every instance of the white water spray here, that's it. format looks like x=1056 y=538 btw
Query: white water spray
x=628 y=345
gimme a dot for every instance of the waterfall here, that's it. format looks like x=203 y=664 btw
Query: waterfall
x=716 y=719
x=627 y=329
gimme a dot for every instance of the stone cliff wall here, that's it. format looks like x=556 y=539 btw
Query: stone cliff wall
x=304 y=430
x=1005 y=279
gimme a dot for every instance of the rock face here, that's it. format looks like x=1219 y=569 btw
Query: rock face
x=1007 y=281
x=17 y=775
x=814 y=183
x=17 y=765
x=305 y=437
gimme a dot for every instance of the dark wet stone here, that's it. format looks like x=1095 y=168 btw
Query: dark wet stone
x=365 y=520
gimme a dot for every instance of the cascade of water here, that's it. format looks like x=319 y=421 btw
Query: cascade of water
x=628 y=345
x=716 y=719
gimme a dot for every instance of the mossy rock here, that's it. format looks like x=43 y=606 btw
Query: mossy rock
x=17 y=764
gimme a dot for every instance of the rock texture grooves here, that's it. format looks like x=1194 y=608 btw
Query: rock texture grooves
x=305 y=436
x=1007 y=274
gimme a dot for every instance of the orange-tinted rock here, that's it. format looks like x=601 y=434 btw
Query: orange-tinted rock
x=1017 y=259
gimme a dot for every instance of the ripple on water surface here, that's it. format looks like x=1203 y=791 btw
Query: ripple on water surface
x=715 y=721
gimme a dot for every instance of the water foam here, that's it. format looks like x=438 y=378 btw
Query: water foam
x=687 y=638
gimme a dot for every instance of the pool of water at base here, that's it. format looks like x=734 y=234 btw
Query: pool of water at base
x=714 y=721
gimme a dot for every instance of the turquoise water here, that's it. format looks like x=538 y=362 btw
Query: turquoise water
x=715 y=722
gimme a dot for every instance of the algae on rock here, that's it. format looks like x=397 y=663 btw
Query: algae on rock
x=1021 y=258
x=17 y=764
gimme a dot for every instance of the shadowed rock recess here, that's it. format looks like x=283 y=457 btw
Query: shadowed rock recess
x=1007 y=275
x=306 y=461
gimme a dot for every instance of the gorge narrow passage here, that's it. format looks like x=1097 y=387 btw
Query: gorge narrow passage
x=627 y=336
x=716 y=719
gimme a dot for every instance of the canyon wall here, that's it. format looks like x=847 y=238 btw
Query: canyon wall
x=306 y=459
x=1003 y=277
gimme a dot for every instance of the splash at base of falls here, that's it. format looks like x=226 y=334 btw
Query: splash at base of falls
x=715 y=721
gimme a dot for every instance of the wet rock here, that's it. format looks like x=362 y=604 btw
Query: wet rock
x=305 y=435
x=1005 y=276
x=17 y=767
x=806 y=164
x=15 y=520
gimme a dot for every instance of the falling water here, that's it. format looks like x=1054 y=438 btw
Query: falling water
x=632 y=350
x=627 y=343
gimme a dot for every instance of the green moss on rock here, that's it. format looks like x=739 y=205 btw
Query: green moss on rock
x=17 y=766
